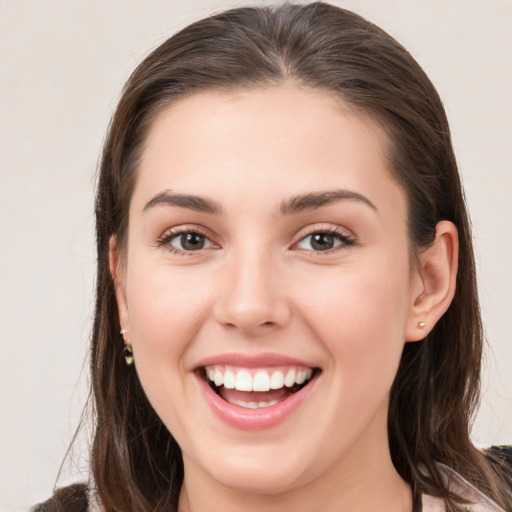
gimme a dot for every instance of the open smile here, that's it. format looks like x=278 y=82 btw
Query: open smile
x=250 y=397
x=255 y=388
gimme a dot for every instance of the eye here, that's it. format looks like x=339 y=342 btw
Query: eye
x=323 y=241
x=186 y=241
x=190 y=241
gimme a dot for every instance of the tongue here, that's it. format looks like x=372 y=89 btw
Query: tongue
x=233 y=395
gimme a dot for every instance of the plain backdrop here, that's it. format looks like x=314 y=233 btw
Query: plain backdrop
x=62 y=66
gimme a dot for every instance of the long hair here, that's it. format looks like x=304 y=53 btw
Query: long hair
x=136 y=463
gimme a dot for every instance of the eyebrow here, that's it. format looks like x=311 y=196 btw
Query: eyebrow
x=190 y=202
x=297 y=204
x=314 y=200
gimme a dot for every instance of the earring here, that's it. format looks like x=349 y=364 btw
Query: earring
x=128 y=355
x=122 y=331
x=421 y=325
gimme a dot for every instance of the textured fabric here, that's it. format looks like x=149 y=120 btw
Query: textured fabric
x=458 y=485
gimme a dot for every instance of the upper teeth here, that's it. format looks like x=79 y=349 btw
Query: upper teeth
x=257 y=380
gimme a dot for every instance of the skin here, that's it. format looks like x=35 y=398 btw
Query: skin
x=259 y=287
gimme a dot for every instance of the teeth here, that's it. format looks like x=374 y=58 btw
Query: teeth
x=252 y=405
x=243 y=381
x=218 y=378
x=277 y=380
x=301 y=377
x=261 y=380
x=289 y=380
x=229 y=380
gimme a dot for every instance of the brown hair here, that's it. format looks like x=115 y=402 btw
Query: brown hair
x=136 y=462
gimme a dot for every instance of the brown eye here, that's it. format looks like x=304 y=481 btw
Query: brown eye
x=190 y=241
x=323 y=241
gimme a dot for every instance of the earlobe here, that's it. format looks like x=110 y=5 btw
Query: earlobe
x=434 y=282
x=116 y=273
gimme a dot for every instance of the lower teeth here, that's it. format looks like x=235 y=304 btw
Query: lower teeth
x=252 y=405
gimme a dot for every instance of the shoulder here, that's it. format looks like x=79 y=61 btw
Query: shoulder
x=67 y=499
x=500 y=459
x=501 y=454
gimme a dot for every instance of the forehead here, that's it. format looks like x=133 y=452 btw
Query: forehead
x=273 y=141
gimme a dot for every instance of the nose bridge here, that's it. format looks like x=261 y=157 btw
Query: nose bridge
x=252 y=297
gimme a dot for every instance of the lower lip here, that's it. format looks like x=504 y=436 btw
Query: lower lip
x=254 y=419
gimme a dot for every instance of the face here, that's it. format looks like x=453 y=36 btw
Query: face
x=266 y=285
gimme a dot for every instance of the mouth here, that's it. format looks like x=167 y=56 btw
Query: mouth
x=256 y=388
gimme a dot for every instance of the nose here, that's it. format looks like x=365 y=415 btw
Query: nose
x=252 y=296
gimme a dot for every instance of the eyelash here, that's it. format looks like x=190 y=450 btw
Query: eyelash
x=344 y=239
x=165 y=240
x=169 y=236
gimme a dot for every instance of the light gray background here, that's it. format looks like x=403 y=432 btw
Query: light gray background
x=62 y=65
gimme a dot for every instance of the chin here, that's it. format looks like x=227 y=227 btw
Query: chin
x=257 y=469
x=266 y=480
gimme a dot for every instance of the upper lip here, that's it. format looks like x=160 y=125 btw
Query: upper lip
x=254 y=360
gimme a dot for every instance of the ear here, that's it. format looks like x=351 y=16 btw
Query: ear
x=433 y=282
x=119 y=286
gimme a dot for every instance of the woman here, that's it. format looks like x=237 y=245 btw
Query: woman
x=286 y=313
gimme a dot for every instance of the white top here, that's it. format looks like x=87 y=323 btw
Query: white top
x=461 y=487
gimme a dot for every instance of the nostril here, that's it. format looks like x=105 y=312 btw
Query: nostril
x=252 y=314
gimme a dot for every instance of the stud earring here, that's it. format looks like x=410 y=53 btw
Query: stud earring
x=421 y=325
x=122 y=331
x=128 y=355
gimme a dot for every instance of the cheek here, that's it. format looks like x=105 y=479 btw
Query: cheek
x=166 y=311
x=361 y=324
x=165 y=306
x=360 y=315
